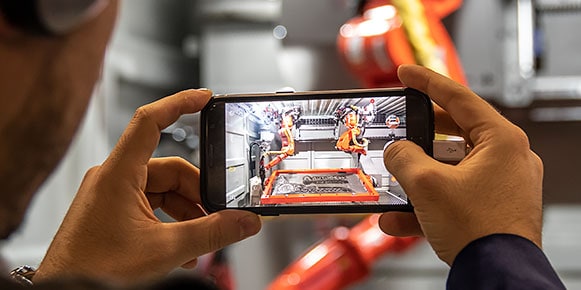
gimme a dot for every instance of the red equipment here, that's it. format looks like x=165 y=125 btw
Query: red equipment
x=348 y=141
x=342 y=259
x=288 y=142
x=389 y=33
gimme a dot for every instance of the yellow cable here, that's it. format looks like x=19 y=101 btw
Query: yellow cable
x=427 y=53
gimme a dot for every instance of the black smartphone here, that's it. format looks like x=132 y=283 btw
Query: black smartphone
x=309 y=152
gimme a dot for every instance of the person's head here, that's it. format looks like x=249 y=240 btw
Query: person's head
x=49 y=63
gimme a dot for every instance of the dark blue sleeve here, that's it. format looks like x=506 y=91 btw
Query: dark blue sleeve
x=502 y=261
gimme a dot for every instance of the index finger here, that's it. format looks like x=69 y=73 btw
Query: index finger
x=444 y=124
x=141 y=137
x=472 y=114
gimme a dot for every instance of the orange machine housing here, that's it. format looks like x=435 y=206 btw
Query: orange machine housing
x=348 y=140
x=373 y=45
x=288 y=143
x=342 y=259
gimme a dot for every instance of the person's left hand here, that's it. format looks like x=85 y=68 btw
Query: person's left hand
x=110 y=231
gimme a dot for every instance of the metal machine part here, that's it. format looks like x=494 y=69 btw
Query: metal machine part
x=558 y=5
x=525 y=41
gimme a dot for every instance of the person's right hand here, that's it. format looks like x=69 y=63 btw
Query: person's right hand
x=496 y=188
x=111 y=233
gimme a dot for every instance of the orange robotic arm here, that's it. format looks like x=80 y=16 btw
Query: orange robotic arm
x=442 y=8
x=348 y=140
x=390 y=33
x=342 y=259
x=354 y=133
x=288 y=143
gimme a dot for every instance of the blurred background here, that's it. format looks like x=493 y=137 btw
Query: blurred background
x=521 y=55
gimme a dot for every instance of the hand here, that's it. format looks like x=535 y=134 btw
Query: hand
x=497 y=188
x=110 y=231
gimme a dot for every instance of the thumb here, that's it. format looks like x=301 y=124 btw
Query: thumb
x=410 y=164
x=203 y=235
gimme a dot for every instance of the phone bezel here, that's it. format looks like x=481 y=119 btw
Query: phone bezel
x=419 y=129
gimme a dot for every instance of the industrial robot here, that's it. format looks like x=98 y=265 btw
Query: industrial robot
x=287 y=122
x=355 y=119
x=404 y=32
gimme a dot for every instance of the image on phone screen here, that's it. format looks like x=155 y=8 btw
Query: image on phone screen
x=312 y=152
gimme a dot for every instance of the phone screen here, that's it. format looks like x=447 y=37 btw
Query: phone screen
x=322 y=152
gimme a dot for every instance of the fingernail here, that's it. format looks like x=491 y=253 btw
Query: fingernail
x=206 y=90
x=249 y=225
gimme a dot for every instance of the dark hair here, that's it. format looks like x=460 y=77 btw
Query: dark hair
x=23 y=14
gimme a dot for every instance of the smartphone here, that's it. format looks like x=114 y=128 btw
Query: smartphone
x=309 y=152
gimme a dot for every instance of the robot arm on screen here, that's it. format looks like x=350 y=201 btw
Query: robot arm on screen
x=355 y=119
x=286 y=135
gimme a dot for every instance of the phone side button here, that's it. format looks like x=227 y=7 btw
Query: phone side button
x=285 y=91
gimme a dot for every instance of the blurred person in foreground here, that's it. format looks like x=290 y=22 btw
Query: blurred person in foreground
x=47 y=75
x=110 y=238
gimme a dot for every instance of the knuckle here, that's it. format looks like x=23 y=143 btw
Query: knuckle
x=177 y=163
x=424 y=184
x=216 y=234
x=521 y=138
x=425 y=177
x=167 y=160
x=92 y=173
x=518 y=137
x=177 y=160
x=142 y=114
x=90 y=178
x=93 y=170
x=515 y=144
x=537 y=162
x=513 y=139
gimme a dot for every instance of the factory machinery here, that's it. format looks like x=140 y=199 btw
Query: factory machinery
x=321 y=151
